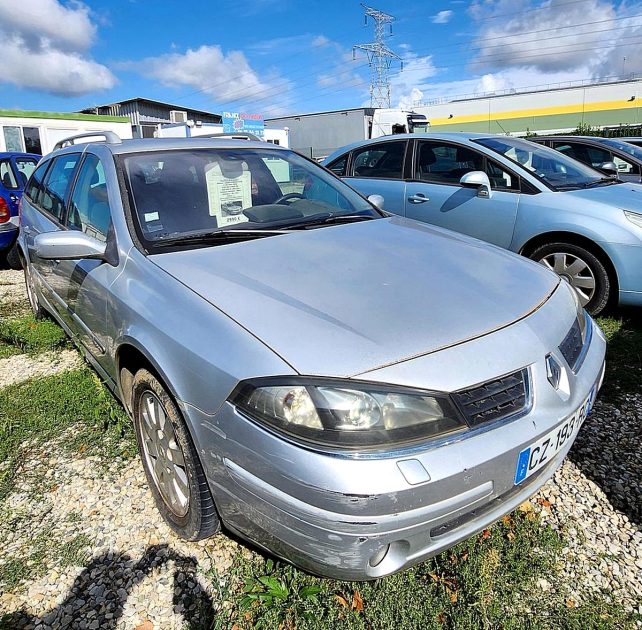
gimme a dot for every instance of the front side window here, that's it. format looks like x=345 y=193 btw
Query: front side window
x=556 y=170
x=57 y=183
x=443 y=163
x=182 y=195
x=625 y=166
x=89 y=209
x=7 y=177
x=383 y=160
x=338 y=167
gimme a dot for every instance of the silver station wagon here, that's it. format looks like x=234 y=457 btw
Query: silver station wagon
x=352 y=391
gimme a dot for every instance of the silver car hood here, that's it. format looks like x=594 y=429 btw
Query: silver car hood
x=347 y=299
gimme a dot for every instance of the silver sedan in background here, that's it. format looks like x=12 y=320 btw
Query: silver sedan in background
x=352 y=391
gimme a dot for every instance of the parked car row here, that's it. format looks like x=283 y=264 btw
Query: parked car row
x=352 y=390
x=516 y=194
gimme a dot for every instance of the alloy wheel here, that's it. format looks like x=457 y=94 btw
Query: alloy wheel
x=163 y=454
x=575 y=271
x=31 y=290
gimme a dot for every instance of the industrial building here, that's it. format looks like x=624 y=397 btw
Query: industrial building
x=547 y=109
x=146 y=115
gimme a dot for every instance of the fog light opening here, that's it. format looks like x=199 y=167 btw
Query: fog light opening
x=379 y=556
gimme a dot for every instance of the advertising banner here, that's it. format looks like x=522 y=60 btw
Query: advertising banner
x=234 y=122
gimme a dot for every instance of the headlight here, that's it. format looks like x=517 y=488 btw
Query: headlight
x=634 y=217
x=347 y=415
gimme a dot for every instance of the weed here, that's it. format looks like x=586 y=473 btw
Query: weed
x=29 y=335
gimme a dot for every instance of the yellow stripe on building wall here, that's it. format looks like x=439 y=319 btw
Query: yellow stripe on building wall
x=577 y=108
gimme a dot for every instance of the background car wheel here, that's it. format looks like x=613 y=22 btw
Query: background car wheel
x=581 y=269
x=38 y=311
x=13 y=258
x=171 y=464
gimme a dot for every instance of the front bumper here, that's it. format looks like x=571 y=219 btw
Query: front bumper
x=331 y=514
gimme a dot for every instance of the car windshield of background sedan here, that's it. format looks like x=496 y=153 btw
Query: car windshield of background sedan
x=195 y=196
x=553 y=168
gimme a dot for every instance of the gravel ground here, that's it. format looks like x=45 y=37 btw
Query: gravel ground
x=20 y=367
x=12 y=289
x=130 y=571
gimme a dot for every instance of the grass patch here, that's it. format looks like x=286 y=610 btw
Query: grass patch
x=624 y=356
x=41 y=409
x=28 y=335
x=74 y=552
x=15 y=570
x=489 y=581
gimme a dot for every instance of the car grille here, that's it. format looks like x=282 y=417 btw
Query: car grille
x=571 y=347
x=495 y=399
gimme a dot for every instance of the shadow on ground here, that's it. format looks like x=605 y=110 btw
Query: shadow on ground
x=98 y=596
x=607 y=449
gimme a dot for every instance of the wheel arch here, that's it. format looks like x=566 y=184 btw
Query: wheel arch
x=574 y=239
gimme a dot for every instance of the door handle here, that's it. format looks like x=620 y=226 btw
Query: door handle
x=418 y=198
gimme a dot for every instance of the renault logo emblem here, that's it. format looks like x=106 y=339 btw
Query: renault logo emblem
x=553 y=371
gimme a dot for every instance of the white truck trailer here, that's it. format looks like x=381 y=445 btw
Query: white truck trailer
x=193 y=130
x=318 y=135
x=38 y=132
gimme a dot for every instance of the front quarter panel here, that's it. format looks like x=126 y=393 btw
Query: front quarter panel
x=200 y=352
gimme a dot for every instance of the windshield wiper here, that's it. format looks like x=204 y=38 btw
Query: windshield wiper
x=603 y=181
x=221 y=234
x=329 y=219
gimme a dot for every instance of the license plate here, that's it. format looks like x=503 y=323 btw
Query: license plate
x=539 y=453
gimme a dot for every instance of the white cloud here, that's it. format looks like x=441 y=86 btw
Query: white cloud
x=224 y=77
x=44 y=47
x=319 y=41
x=554 y=36
x=406 y=86
x=443 y=17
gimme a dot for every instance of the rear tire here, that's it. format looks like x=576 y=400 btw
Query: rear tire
x=584 y=271
x=173 y=469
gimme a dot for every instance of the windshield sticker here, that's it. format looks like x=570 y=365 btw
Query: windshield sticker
x=151 y=216
x=228 y=196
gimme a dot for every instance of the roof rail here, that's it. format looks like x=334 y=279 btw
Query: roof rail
x=110 y=138
x=234 y=136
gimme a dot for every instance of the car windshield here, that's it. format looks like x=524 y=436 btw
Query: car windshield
x=553 y=168
x=625 y=147
x=198 y=193
x=25 y=166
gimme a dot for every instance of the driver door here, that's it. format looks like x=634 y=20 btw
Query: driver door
x=434 y=193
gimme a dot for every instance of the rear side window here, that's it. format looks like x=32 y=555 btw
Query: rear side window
x=25 y=167
x=7 y=177
x=384 y=160
x=338 y=167
x=34 y=185
x=57 y=184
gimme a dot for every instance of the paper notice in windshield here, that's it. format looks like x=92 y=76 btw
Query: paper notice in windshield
x=228 y=196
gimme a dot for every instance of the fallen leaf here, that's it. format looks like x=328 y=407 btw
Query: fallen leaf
x=342 y=600
x=146 y=625
x=464 y=556
x=82 y=448
x=485 y=534
x=510 y=536
x=525 y=507
x=544 y=502
x=506 y=520
x=570 y=603
x=434 y=576
x=54 y=487
x=357 y=602
x=441 y=618
x=453 y=597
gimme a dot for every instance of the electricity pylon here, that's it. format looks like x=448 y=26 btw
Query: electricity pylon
x=379 y=58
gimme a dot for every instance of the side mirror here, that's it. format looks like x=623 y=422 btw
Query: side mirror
x=609 y=168
x=68 y=245
x=479 y=180
x=377 y=201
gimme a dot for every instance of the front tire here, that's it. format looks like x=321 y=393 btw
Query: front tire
x=172 y=467
x=37 y=309
x=584 y=271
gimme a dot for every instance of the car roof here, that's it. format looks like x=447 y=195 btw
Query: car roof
x=456 y=136
x=9 y=154
x=143 y=145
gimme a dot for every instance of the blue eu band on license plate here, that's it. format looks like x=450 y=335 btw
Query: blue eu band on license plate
x=539 y=453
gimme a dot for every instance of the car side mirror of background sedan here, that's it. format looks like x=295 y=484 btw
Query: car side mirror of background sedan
x=479 y=180
x=68 y=245
x=377 y=201
x=610 y=168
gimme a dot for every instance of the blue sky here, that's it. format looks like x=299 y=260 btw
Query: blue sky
x=295 y=56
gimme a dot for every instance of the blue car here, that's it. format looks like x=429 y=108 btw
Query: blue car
x=15 y=169
x=516 y=194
